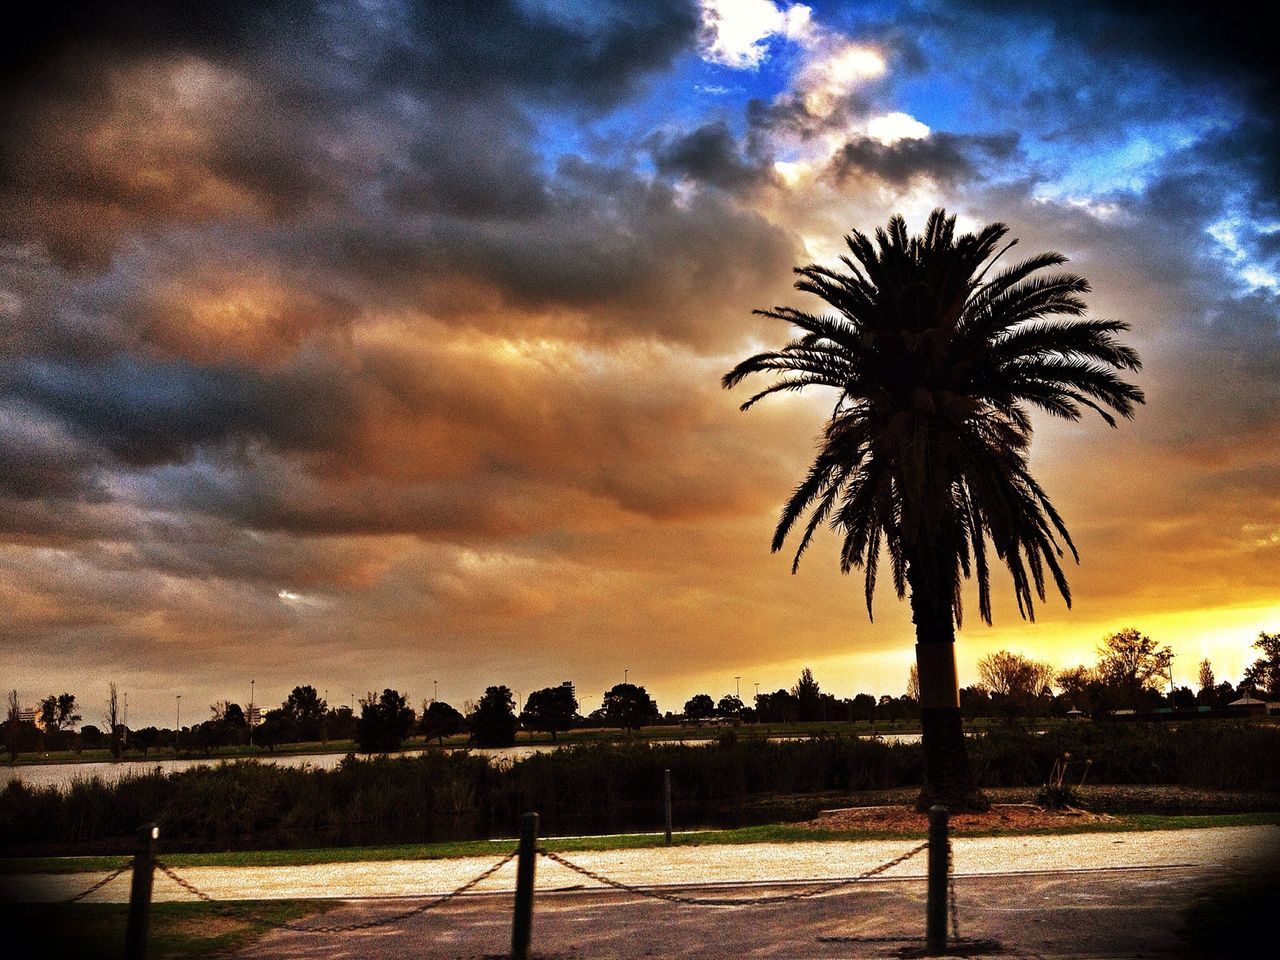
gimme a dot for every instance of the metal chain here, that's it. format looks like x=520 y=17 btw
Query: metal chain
x=955 y=923
x=100 y=884
x=951 y=892
x=731 y=901
x=227 y=908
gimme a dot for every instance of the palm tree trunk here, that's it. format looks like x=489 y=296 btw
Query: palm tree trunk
x=948 y=776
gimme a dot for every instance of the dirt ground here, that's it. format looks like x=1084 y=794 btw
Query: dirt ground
x=1001 y=816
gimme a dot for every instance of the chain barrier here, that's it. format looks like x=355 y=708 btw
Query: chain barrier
x=101 y=883
x=731 y=901
x=955 y=941
x=951 y=892
x=229 y=909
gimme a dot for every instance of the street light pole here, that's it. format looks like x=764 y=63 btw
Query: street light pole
x=435 y=690
x=177 y=726
x=625 y=671
x=251 y=683
x=737 y=688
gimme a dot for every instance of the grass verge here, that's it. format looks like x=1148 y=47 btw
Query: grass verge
x=89 y=931
x=769 y=833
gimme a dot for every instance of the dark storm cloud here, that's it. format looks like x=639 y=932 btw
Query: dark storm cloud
x=788 y=115
x=476 y=162
x=1211 y=45
x=148 y=413
x=457 y=47
x=943 y=157
x=1191 y=33
x=54 y=31
x=38 y=461
x=129 y=121
x=1210 y=338
x=709 y=154
x=592 y=56
x=642 y=259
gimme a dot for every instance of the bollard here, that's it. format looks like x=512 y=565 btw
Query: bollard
x=935 y=930
x=522 y=923
x=144 y=863
x=666 y=802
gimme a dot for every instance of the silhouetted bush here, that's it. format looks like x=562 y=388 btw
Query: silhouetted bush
x=598 y=788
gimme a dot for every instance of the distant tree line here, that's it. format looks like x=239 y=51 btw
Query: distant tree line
x=605 y=787
x=1132 y=673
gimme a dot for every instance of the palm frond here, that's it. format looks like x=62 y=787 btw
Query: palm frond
x=934 y=368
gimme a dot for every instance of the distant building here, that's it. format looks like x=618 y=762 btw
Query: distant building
x=253 y=716
x=30 y=715
x=1249 y=705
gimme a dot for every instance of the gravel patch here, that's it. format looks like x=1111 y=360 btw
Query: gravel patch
x=746 y=864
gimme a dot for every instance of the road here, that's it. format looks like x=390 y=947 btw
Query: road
x=1106 y=895
x=1084 y=915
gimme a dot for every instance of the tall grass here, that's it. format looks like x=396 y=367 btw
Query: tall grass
x=594 y=788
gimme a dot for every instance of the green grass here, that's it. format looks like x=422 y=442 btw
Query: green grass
x=768 y=833
x=89 y=931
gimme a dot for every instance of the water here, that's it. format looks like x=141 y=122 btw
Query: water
x=62 y=775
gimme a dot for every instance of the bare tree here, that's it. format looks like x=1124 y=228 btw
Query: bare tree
x=913 y=683
x=1013 y=675
x=1015 y=680
x=112 y=720
x=11 y=729
x=1207 y=679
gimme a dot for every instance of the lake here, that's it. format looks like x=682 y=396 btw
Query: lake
x=62 y=775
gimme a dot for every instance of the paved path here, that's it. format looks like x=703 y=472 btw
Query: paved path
x=1122 y=914
x=1219 y=847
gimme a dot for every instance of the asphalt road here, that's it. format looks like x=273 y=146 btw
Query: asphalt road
x=1116 y=913
x=1076 y=895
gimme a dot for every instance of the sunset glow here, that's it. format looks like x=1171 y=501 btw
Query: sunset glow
x=366 y=345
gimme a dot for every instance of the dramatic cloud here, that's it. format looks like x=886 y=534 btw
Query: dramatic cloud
x=356 y=343
x=941 y=157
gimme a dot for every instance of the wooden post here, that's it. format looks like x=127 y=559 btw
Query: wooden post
x=935 y=932
x=144 y=863
x=522 y=922
x=666 y=803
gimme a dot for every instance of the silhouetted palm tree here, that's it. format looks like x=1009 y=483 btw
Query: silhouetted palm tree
x=925 y=453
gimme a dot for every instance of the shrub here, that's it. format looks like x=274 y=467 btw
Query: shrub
x=441 y=795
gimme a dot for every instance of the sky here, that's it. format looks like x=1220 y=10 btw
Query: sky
x=378 y=343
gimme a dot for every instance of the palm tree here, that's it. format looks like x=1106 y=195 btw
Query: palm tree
x=925 y=453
